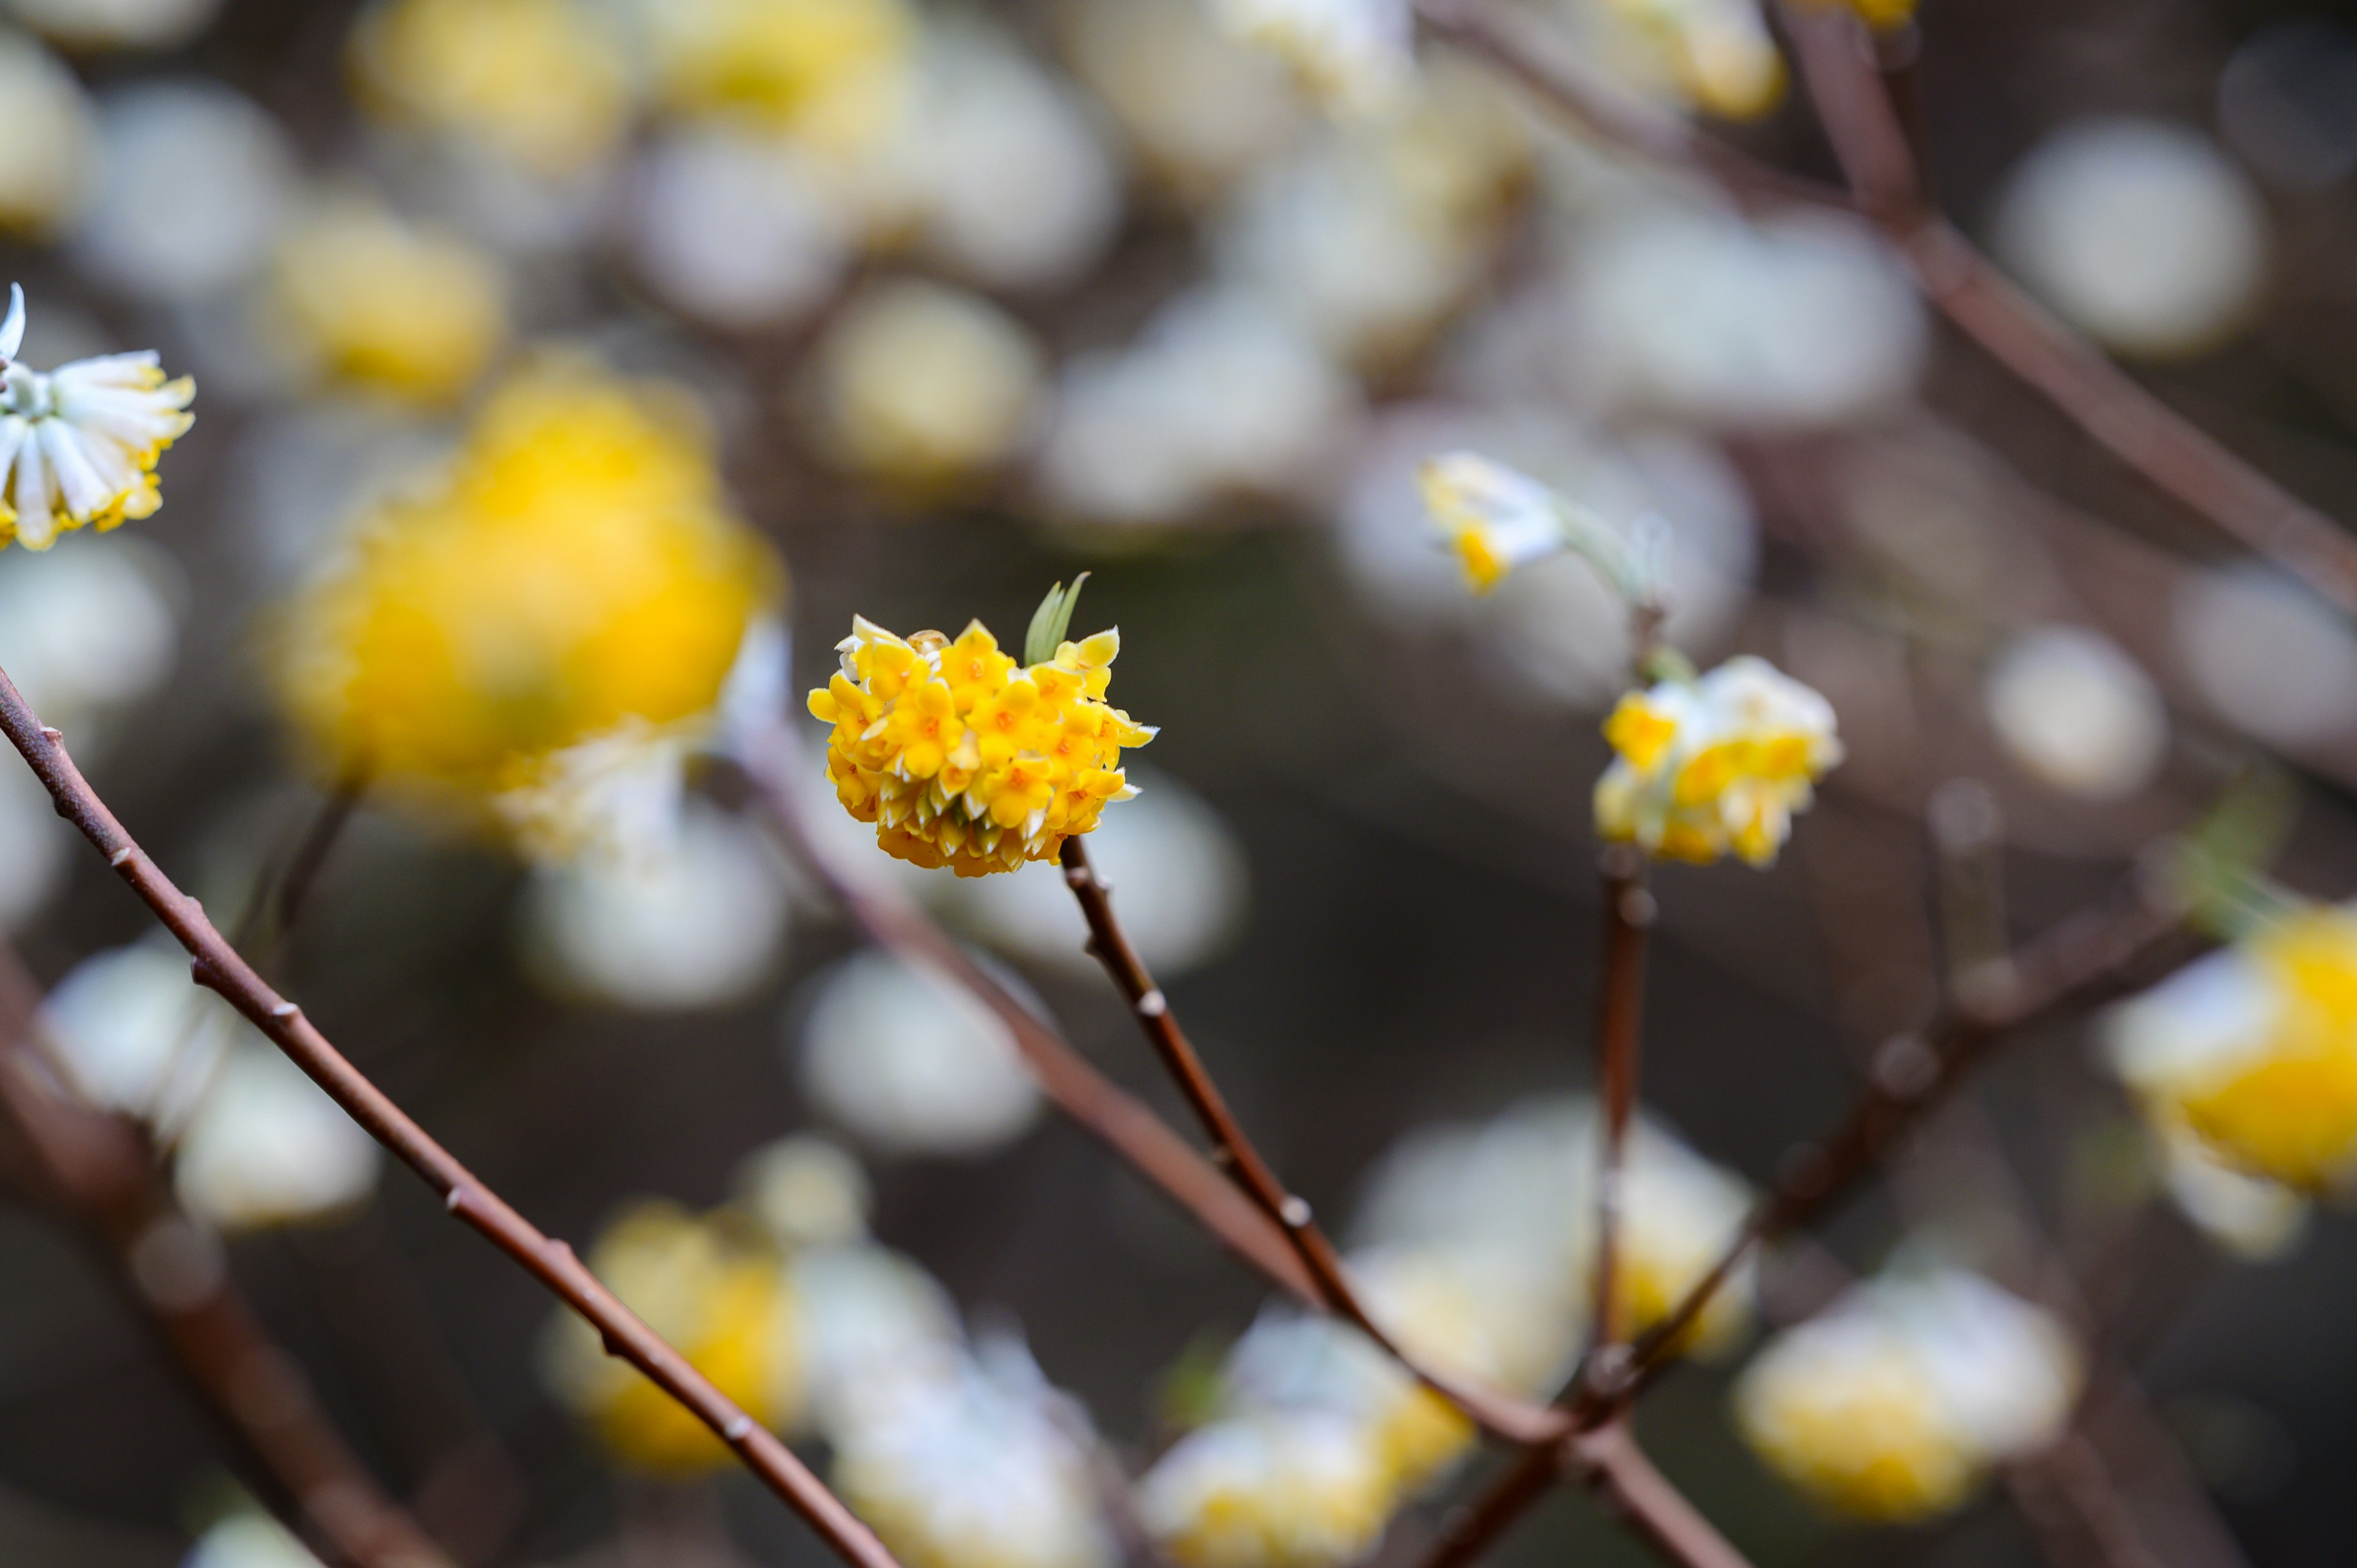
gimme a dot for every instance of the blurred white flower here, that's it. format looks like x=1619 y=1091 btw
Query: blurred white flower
x=1200 y=108
x=2140 y=232
x=2274 y=660
x=268 y=1147
x=699 y=923
x=2287 y=101
x=1273 y=1489
x=35 y=848
x=982 y=1465
x=1016 y=190
x=1223 y=394
x=1896 y=1400
x=731 y=228
x=135 y=1035
x=117 y=24
x=46 y=159
x=249 y=1541
x=1793 y=322
x=193 y=181
x=922 y=385
x=2250 y=1216
x=1175 y=865
x=869 y=1318
x=807 y=1191
x=1355 y=56
x=2077 y=713
x=91 y=627
x=616 y=797
x=911 y=1063
x=1523 y=1185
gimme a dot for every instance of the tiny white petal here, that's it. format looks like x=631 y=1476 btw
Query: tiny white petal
x=12 y=330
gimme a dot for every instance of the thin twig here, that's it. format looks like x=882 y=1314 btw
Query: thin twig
x=2171 y=452
x=217 y=965
x=1233 y=1151
x=100 y=1169
x=1620 y=1034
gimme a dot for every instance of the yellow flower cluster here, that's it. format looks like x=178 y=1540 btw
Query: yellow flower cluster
x=829 y=73
x=962 y=759
x=1899 y=1399
x=574 y=570
x=545 y=82
x=2255 y=1050
x=718 y=1290
x=372 y=300
x=1715 y=766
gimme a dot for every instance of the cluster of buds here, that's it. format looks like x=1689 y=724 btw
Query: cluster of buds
x=962 y=759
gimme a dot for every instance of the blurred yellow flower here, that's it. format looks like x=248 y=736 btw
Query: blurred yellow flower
x=574 y=572
x=830 y=73
x=1290 y=1488
x=962 y=759
x=922 y=385
x=2255 y=1049
x=46 y=156
x=79 y=446
x=1494 y=519
x=720 y=1294
x=1895 y=1402
x=410 y=311
x=1717 y=765
x=544 y=82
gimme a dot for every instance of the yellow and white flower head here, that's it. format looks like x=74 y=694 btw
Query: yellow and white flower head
x=2248 y=1215
x=964 y=759
x=2255 y=1049
x=1278 y=1489
x=1523 y=1188
x=985 y=1467
x=832 y=76
x=1897 y=1401
x=371 y=299
x=1717 y=765
x=573 y=578
x=546 y=83
x=1498 y=520
x=1354 y=56
x=715 y=1288
x=911 y=1062
x=79 y=446
x=1718 y=53
x=267 y=1147
x=870 y=1319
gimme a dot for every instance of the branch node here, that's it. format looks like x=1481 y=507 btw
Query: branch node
x=1295 y=1212
x=1905 y=1068
x=1153 y=1005
x=122 y=857
x=456 y=1200
x=55 y=738
x=738 y=1428
x=1639 y=907
x=286 y=1010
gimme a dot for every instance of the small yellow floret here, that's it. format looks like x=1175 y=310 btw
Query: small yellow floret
x=412 y=311
x=545 y=82
x=2288 y=1112
x=1869 y=1439
x=962 y=759
x=831 y=74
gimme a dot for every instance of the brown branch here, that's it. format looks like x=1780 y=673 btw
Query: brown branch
x=1620 y=1034
x=100 y=1170
x=217 y=964
x=1233 y=1151
x=2171 y=453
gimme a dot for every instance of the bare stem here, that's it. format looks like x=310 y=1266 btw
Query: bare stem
x=100 y=1170
x=1620 y=1035
x=1233 y=1150
x=217 y=964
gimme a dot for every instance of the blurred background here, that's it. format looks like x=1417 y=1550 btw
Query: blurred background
x=967 y=298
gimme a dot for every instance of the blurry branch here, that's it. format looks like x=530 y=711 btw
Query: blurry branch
x=283 y=882
x=1233 y=1151
x=2084 y=958
x=217 y=964
x=101 y=1170
x=1854 y=104
x=1620 y=1038
x=1606 y=1460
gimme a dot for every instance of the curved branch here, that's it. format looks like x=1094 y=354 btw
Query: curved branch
x=217 y=964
